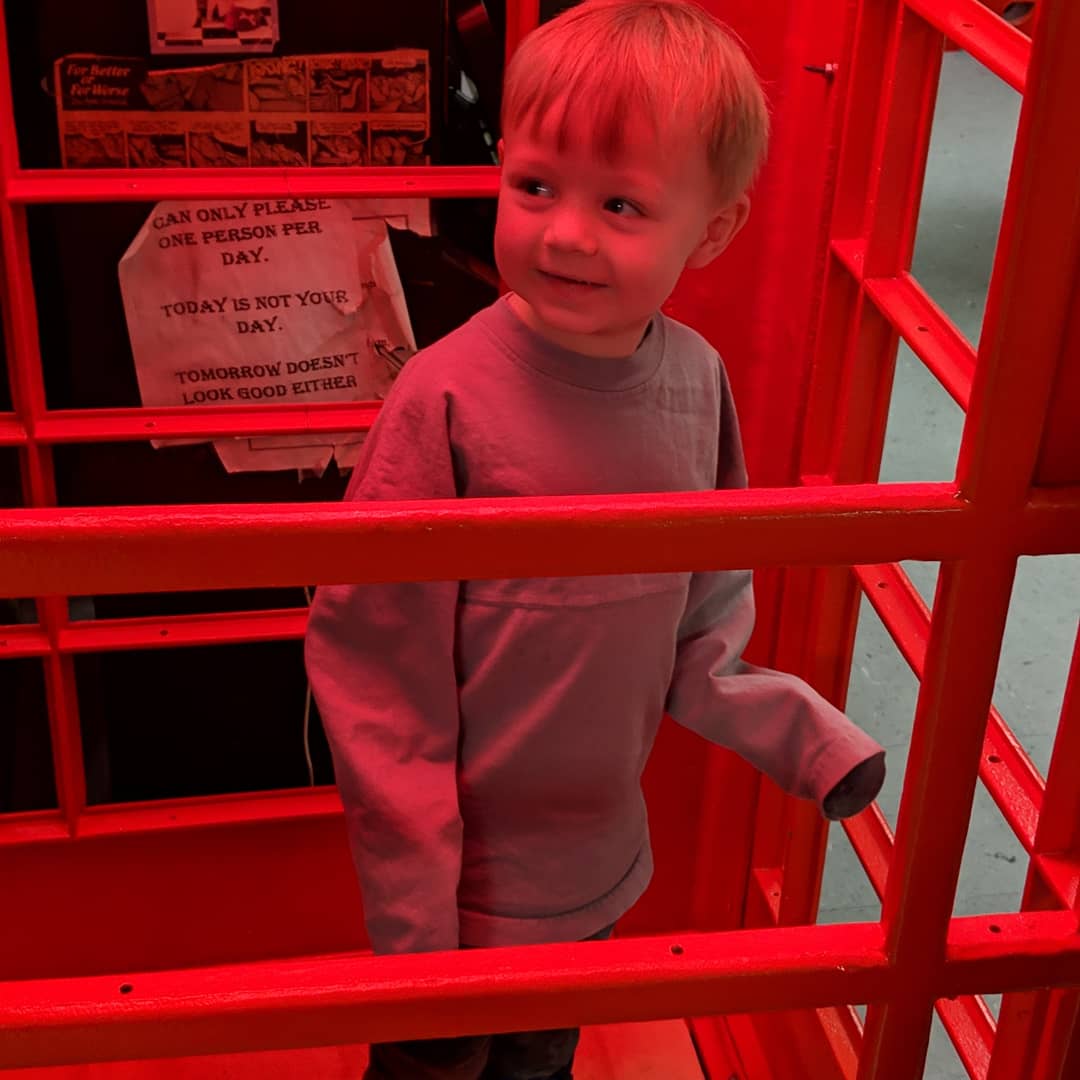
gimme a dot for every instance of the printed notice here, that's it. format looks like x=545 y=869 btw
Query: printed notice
x=261 y=301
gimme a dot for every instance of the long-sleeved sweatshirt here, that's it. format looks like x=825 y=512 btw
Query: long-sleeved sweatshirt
x=489 y=737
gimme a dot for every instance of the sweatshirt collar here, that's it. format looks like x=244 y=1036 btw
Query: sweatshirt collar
x=588 y=372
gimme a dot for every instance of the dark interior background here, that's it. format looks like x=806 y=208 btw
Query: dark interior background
x=200 y=721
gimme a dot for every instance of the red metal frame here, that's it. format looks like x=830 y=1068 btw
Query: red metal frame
x=1021 y=396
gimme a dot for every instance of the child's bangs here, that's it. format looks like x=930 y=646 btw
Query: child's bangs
x=595 y=105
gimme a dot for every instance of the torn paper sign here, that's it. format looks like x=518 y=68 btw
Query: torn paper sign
x=264 y=301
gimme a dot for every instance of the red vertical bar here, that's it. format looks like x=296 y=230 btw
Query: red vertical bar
x=1059 y=456
x=1018 y=355
x=1034 y=277
x=28 y=395
x=969 y=619
x=1035 y=1029
x=521 y=17
x=896 y=66
x=875 y=43
x=816 y=633
x=892 y=211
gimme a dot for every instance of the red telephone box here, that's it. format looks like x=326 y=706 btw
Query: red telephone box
x=218 y=934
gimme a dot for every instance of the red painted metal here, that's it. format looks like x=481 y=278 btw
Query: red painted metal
x=121 y=549
x=12 y=432
x=1040 y=228
x=1036 y=1028
x=1009 y=774
x=1059 y=456
x=995 y=43
x=954 y=699
x=970 y=1025
x=327 y=1000
x=882 y=154
x=1008 y=406
x=20 y=641
x=932 y=336
x=155 y=185
x=28 y=397
x=209 y=421
x=103 y=635
x=873 y=841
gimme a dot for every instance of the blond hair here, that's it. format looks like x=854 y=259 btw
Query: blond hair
x=669 y=61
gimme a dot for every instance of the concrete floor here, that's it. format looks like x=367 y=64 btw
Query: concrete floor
x=970 y=156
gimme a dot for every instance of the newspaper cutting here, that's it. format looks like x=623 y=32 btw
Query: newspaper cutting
x=342 y=109
x=183 y=26
x=266 y=301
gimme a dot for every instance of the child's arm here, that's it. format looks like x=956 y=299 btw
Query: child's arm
x=774 y=720
x=381 y=663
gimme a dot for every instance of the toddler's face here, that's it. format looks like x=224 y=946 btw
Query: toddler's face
x=627 y=230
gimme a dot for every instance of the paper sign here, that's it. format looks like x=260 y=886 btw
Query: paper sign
x=264 y=301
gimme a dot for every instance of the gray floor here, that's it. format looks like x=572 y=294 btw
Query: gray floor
x=970 y=156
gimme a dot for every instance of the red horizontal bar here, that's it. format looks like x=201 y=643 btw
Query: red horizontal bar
x=970 y=1025
x=852 y=255
x=1013 y=780
x=12 y=433
x=933 y=337
x=983 y=33
x=1050 y=523
x=901 y=609
x=156 y=632
x=162 y=548
x=1006 y=771
x=1002 y=952
x=202 y=422
x=1061 y=876
x=201 y=812
x=20 y=641
x=966 y=1020
x=153 y=185
x=872 y=840
x=329 y=1000
x=766 y=884
x=33 y=828
x=207 y=812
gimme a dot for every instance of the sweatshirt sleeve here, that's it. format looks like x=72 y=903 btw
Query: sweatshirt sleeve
x=380 y=658
x=776 y=721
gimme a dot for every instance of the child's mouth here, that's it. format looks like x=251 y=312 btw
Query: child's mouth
x=571 y=281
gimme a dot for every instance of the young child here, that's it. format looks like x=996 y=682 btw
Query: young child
x=489 y=736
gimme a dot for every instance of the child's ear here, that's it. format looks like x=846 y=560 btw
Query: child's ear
x=720 y=231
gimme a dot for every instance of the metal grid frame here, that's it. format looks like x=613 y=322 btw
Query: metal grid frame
x=1019 y=402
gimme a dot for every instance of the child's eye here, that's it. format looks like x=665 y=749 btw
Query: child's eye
x=623 y=208
x=534 y=187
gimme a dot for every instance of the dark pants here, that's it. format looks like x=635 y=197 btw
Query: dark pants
x=526 y=1055
x=520 y=1055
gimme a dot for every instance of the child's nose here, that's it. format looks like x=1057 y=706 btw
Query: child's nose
x=570 y=229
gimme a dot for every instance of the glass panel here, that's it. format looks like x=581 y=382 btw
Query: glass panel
x=171 y=723
x=1036 y=650
x=967 y=172
x=10 y=482
x=922 y=436
x=26 y=767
